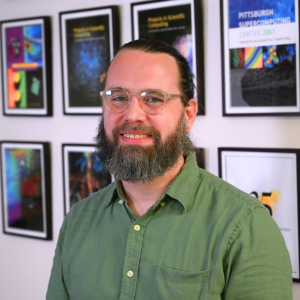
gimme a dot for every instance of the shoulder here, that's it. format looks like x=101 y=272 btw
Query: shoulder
x=200 y=190
x=216 y=192
x=242 y=213
x=227 y=192
x=245 y=214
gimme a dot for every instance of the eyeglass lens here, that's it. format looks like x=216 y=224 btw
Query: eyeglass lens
x=117 y=100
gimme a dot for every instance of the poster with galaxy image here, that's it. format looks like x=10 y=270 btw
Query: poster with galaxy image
x=260 y=57
x=177 y=23
x=26 y=67
x=89 y=39
x=26 y=189
x=83 y=173
x=259 y=172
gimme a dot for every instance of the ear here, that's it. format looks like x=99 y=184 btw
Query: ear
x=190 y=114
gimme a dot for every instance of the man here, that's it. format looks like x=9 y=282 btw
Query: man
x=165 y=229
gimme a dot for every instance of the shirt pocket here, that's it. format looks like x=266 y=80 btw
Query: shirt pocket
x=171 y=284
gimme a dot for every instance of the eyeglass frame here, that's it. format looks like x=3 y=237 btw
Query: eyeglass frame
x=167 y=95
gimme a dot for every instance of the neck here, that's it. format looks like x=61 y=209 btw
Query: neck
x=141 y=196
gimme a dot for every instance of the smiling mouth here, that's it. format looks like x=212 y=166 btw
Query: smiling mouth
x=136 y=136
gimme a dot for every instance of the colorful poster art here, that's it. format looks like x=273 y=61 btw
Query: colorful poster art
x=87 y=49
x=24 y=190
x=172 y=22
x=259 y=172
x=24 y=72
x=260 y=54
x=83 y=173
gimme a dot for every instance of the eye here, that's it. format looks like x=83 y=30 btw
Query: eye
x=154 y=99
x=118 y=98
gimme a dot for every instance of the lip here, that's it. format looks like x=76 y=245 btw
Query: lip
x=133 y=137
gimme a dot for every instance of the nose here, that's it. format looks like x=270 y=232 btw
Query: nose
x=134 y=113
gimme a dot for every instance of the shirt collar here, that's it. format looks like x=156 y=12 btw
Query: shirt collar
x=184 y=185
x=113 y=194
x=116 y=193
x=181 y=189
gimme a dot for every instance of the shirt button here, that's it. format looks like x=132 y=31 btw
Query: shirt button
x=121 y=201
x=129 y=273
x=137 y=227
x=162 y=204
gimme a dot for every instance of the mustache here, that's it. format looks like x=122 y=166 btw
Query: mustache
x=140 y=127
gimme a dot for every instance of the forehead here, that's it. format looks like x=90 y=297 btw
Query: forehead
x=137 y=70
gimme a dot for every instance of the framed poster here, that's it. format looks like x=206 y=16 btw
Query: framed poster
x=83 y=173
x=179 y=24
x=260 y=57
x=271 y=175
x=89 y=39
x=26 y=67
x=26 y=189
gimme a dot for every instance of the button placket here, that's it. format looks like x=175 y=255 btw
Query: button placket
x=132 y=257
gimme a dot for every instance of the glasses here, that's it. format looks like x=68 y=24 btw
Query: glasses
x=151 y=101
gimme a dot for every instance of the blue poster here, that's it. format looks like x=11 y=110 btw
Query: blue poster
x=260 y=12
x=261 y=42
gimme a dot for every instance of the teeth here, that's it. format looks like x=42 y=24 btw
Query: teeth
x=136 y=136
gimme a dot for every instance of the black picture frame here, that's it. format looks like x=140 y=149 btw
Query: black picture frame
x=26 y=67
x=272 y=176
x=83 y=173
x=186 y=33
x=26 y=189
x=260 y=53
x=89 y=40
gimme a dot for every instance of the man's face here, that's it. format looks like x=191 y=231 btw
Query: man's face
x=133 y=145
x=136 y=71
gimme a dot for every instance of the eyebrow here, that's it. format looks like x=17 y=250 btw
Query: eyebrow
x=141 y=91
x=117 y=87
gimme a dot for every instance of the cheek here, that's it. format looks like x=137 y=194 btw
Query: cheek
x=169 y=124
x=111 y=121
x=164 y=127
x=108 y=126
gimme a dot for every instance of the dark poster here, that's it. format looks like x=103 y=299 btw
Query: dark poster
x=179 y=24
x=88 y=40
x=172 y=25
x=83 y=173
x=88 y=57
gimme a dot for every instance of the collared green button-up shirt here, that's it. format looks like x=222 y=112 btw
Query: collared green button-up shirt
x=203 y=239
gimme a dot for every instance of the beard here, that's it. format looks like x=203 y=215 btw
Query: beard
x=136 y=163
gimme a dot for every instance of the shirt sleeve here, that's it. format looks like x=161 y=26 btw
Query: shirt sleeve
x=56 y=287
x=257 y=260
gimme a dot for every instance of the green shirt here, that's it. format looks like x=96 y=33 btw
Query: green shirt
x=203 y=239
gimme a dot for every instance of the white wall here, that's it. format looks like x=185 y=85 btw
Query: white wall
x=25 y=263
